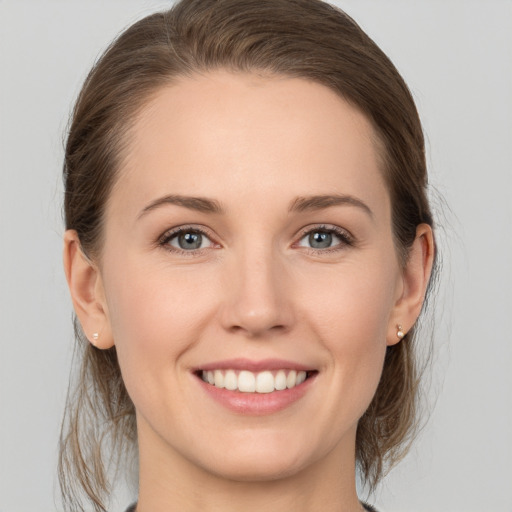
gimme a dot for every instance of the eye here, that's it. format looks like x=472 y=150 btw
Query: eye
x=325 y=238
x=186 y=239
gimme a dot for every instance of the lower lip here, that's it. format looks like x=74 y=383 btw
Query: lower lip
x=257 y=404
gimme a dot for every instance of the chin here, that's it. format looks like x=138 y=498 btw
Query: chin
x=263 y=458
x=256 y=469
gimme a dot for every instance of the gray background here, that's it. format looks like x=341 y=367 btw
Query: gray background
x=456 y=56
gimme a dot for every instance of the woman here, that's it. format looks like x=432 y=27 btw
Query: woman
x=248 y=248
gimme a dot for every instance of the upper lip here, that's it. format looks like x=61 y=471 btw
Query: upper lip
x=254 y=366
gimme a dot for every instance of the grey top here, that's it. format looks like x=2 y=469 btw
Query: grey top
x=367 y=507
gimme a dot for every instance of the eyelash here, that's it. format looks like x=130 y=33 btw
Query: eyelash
x=346 y=239
x=164 y=240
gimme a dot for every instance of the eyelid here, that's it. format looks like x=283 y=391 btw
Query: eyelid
x=163 y=240
x=347 y=239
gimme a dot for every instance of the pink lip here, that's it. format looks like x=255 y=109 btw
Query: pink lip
x=255 y=404
x=254 y=366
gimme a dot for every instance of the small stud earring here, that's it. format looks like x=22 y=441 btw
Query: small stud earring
x=400 y=333
x=95 y=337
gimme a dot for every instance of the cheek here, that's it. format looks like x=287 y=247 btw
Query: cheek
x=352 y=306
x=351 y=318
x=155 y=315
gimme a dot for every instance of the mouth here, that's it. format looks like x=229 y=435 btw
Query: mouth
x=245 y=381
x=255 y=387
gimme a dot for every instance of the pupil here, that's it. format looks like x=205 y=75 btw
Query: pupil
x=190 y=240
x=320 y=239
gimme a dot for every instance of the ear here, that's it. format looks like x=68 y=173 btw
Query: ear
x=87 y=293
x=415 y=279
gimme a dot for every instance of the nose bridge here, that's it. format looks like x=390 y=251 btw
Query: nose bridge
x=258 y=300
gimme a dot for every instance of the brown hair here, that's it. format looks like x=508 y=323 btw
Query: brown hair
x=297 y=38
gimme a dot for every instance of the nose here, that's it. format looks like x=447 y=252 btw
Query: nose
x=258 y=299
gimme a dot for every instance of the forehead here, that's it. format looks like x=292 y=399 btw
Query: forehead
x=248 y=134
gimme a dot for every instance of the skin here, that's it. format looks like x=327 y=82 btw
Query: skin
x=256 y=289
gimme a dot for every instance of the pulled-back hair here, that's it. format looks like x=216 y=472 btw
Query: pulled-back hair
x=308 y=39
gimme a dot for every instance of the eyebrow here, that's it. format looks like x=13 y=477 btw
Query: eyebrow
x=309 y=203
x=200 y=204
x=300 y=204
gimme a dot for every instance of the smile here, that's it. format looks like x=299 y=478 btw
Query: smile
x=246 y=381
x=255 y=387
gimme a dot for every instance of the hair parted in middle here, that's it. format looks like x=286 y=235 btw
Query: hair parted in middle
x=306 y=39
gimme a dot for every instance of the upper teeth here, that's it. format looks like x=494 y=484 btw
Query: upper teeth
x=249 y=382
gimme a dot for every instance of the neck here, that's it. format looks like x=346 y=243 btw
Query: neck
x=169 y=482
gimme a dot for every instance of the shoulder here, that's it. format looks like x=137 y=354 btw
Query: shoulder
x=367 y=507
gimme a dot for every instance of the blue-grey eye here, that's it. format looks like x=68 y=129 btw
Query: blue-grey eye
x=323 y=239
x=189 y=240
x=320 y=239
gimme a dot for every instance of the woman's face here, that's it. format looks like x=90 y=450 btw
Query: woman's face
x=248 y=240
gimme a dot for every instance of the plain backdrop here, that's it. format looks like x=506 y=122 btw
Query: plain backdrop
x=456 y=57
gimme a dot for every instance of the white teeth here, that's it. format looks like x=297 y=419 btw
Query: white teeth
x=218 y=379
x=280 y=380
x=246 y=382
x=301 y=377
x=230 y=380
x=264 y=382
x=249 y=382
x=291 y=380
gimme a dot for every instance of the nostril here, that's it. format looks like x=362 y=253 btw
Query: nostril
x=255 y=332
x=255 y=313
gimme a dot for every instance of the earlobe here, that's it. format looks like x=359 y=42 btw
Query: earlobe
x=415 y=279
x=86 y=289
